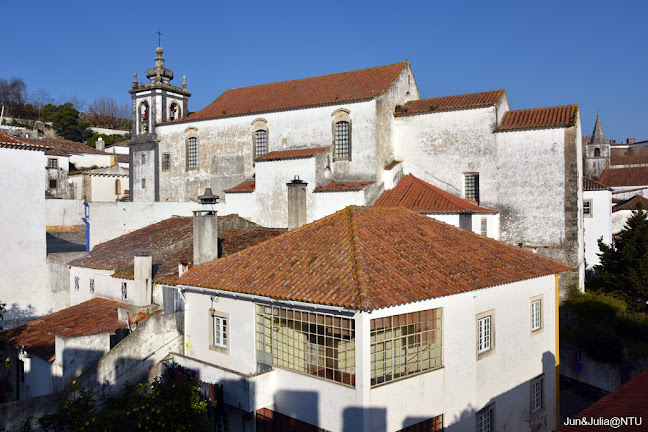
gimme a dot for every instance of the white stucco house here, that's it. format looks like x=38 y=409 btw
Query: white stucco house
x=622 y=211
x=377 y=319
x=350 y=136
x=107 y=184
x=597 y=219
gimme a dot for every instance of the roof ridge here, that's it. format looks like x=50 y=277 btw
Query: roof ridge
x=361 y=298
x=540 y=108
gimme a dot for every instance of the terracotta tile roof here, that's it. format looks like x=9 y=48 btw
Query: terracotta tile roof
x=343 y=186
x=290 y=154
x=66 y=146
x=633 y=176
x=392 y=164
x=7 y=141
x=122 y=158
x=56 y=152
x=629 y=400
x=629 y=160
x=537 y=118
x=246 y=186
x=416 y=195
x=91 y=317
x=450 y=103
x=308 y=92
x=631 y=204
x=592 y=185
x=366 y=258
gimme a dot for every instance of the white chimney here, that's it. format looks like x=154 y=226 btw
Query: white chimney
x=143 y=263
x=296 y=203
x=205 y=229
x=101 y=144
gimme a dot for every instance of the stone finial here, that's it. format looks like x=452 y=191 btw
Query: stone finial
x=135 y=80
x=159 y=77
x=184 y=82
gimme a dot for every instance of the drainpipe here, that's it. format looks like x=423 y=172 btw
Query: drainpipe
x=87 y=224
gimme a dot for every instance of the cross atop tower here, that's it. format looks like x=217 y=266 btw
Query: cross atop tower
x=159 y=37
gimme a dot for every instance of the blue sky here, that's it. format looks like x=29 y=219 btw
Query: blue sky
x=544 y=53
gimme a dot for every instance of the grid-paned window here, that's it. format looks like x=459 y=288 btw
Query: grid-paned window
x=124 y=291
x=192 y=153
x=166 y=161
x=484 y=334
x=587 y=208
x=342 y=140
x=260 y=143
x=536 y=315
x=316 y=344
x=91 y=286
x=76 y=283
x=484 y=227
x=536 y=394
x=406 y=344
x=485 y=419
x=52 y=163
x=471 y=187
x=219 y=331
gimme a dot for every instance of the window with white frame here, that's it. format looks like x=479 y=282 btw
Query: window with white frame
x=485 y=334
x=76 y=283
x=537 y=320
x=484 y=227
x=537 y=399
x=124 y=291
x=91 y=286
x=471 y=187
x=260 y=143
x=52 y=163
x=587 y=208
x=218 y=331
x=486 y=419
x=192 y=153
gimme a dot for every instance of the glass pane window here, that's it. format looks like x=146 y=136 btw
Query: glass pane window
x=260 y=143
x=166 y=161
x=91 y=286
x=472 y=187
x=52 y=163
x=536 y=394
x=484 y=227
x=484 y=334
x=219 y=331
x=342 y=140
x=192 y=152
x=485 y=420
x=536 y=315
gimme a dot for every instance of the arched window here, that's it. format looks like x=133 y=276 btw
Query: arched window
x=174 y=111
x=144 y=117
x=192 y=153
x=117 y=187
x=260 y=143
x=597 y=152
x=341 y=135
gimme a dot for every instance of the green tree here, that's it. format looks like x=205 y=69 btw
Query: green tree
x=65 y=119
x=623 y=270
x=108 y=139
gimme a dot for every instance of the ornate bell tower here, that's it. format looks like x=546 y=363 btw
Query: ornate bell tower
x=154 y=102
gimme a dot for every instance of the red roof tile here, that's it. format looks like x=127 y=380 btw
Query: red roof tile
x=450 y=103
x=56 y=152
x=592 y=185
x=633 y=176
x=308 y=92
x=368 y=258
x=91 y=317
x=122 y=158
x=246 y=186
x=537 y=118
x=629 y=160
x=631 y=204
x=290 y=154
x=7 y=141
x=417 y=195
x=629 y=400
x=343 y=186
x=66 y=146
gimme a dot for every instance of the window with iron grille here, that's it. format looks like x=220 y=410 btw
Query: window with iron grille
x=486 y=419
x=192 y=153
x=342 y=140
x=471 y=187
x=316 y=344
x=536 y=394
x=260 y=143
x=124 y=291
x=404 y=345
x=484 y=227
x=166 y=161
x=91 y=286
x=53 y=184
x=76 y=283
x=52 y=163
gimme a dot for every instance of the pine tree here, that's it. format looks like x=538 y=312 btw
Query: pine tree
x=624 y=267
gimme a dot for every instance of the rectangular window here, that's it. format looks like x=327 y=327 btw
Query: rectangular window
x=536 y=314
x=342 y=140
x=484 y=331
x=404 y=345
x=587 y=208
x=76 y=283
x=143 y=183
x=484 y=227
x=91 y=286
x=166 y=161
x=219 y=331
x=536 y=394
x=315 y=344
x=143 y=158
x=471 y=187
x=192 y=153
x=124 y=291
x=52 y=163
x=260 y=143
x=486 y=419
x=53 y=184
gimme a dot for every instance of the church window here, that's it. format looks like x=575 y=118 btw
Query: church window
x=471 y=187
x=52 y=163
x=174 y=111
x=166 y=161
x=341 y=134
x=144 y=117
x=192 y=153
x=117 y=187
x=597 y=152
x=260 y=143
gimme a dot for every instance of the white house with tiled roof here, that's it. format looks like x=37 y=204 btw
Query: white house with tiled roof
x=377 y=319
x=597 y=219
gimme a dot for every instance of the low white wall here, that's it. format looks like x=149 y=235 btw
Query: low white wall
x=111 y=220
x=60 y=212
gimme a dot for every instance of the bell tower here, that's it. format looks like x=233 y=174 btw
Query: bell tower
x=154 y=102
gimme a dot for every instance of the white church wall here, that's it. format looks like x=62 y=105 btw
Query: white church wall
x=327 y=203
x=598 y=224
x=63 y=212
x=89 y=160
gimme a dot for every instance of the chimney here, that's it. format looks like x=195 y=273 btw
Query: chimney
x=632 y=141
x=143 y=262
x=101 y=144
x=205 y=229
x=296 y=203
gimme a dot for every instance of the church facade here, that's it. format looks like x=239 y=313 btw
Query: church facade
x=346 y=138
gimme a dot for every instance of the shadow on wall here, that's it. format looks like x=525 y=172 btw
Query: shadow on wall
x=16 y=315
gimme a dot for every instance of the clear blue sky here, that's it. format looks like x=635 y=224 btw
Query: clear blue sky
x=544 y=53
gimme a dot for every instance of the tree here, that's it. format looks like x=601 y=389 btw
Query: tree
x=41 y=98
x=623 y=270
x=65 y=119
x=105 y=112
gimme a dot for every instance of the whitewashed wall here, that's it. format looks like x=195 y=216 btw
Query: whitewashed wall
x=627 y=192
x=103 y=187
x=492 y=222
x=597 y=225
x=59 y=212
x=90 y=160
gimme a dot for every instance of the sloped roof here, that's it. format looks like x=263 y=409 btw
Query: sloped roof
x=343 y=186
x=245 y=187
x=365 y=258
x=416 y=195
x=56 y=152
x=91 y=317
x=633 y=176
x=290 y=154
x=114 y=170
x=450 y=103
x=592 y=185
x=7 y=141
x=539 y=118
x=631 y=204
x=67 y=146
x=308 y=92
x=122 y=158
x=629 y=400
x=629 y=160
x=598 y=137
